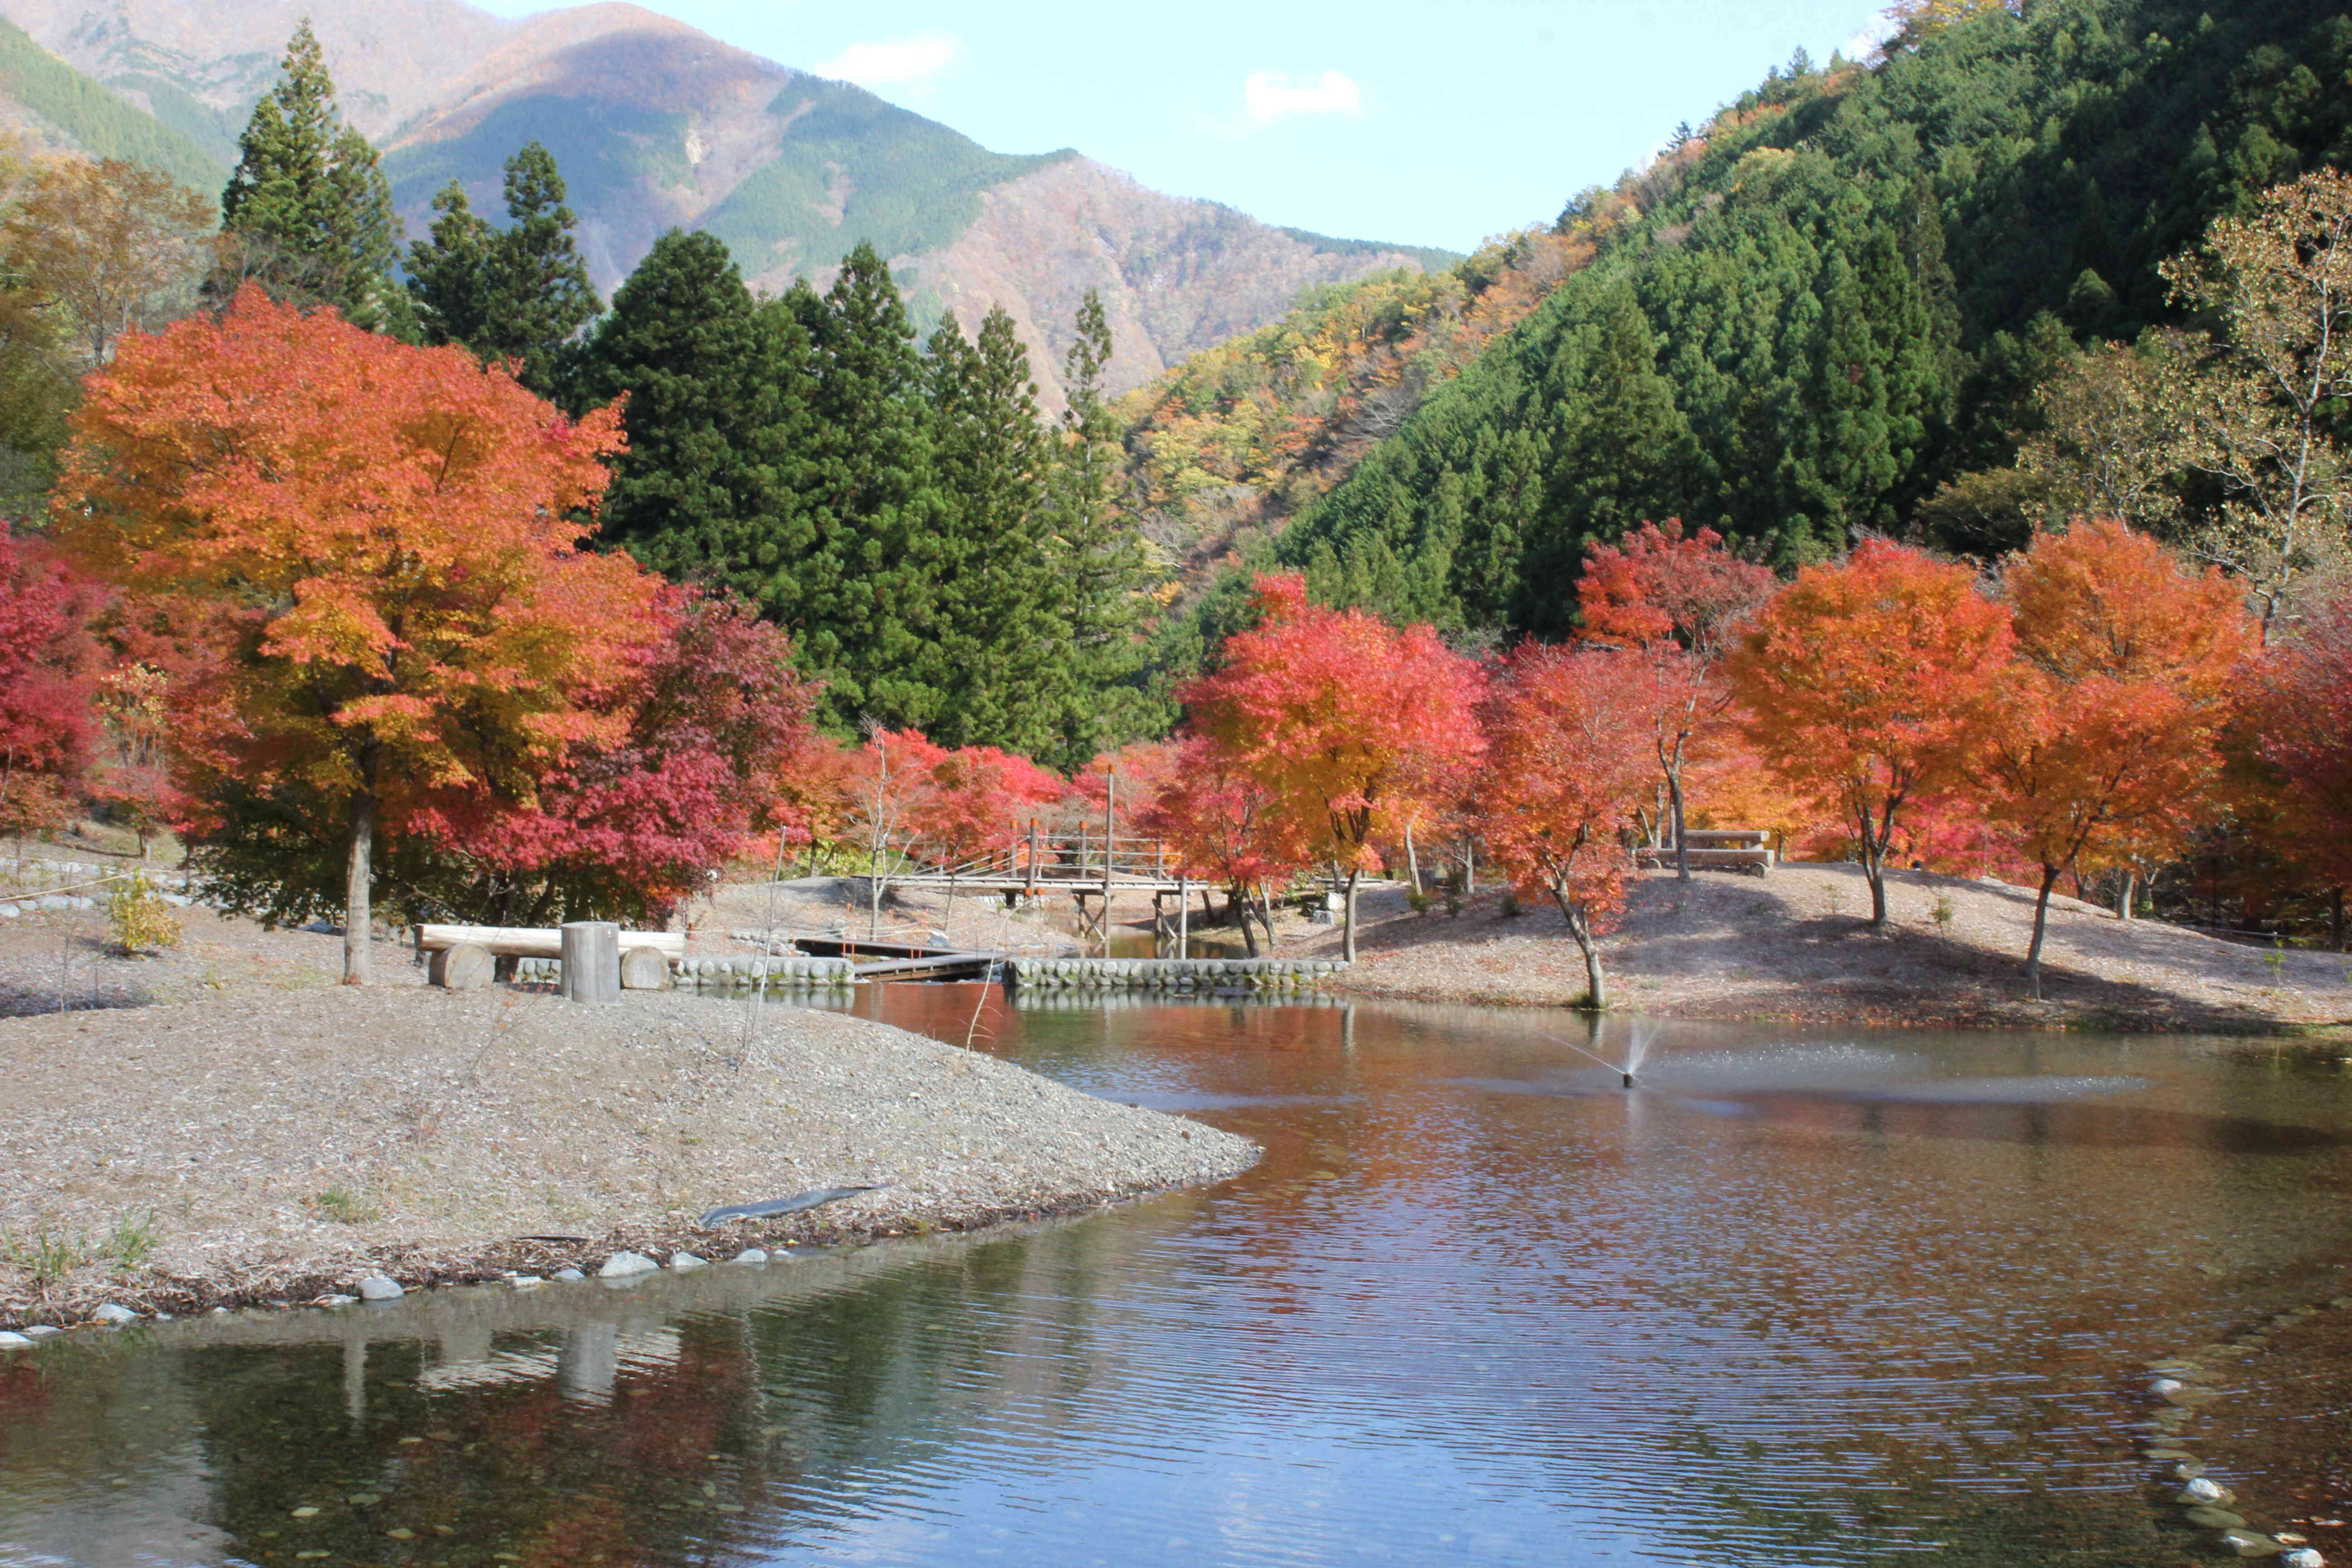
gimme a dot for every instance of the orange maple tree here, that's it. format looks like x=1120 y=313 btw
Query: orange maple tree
x=1678 y=600
x=1866 y=681
x=2306 y=733
x=2107 y=728
x=383 y=545
x=1351 y=725
x=1569 y=752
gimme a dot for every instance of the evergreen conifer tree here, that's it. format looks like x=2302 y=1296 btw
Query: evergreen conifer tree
x=450 y=273
x=1102 y=563
x=1005 y=670
x=718 y=392
x=865 y=620
x=308 y=204
x=519 y=293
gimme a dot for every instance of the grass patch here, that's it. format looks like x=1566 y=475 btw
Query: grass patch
x=46 y=1256
x=344 y=1207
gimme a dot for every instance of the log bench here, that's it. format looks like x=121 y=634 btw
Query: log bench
x=1718 y=848
x=463 y=958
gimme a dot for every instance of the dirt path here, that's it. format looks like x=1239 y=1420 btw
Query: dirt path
x=1797 y=945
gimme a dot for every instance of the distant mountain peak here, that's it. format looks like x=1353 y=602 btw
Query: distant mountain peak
x=657 y=125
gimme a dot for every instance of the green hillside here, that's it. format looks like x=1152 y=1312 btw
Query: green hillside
x=1825 y=304
x=604 y=150
x=912 y=184
x=95 y=119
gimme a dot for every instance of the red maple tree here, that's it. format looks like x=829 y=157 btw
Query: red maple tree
x=46 y=729
x=1569 y=752
x=1350 y=724
x=1679 y=599
x=1225 y=828
x=709 y=725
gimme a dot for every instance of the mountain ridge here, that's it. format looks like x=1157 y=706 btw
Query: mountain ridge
x=657 y=125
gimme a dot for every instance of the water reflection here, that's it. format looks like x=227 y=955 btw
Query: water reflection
x=1794 y=1301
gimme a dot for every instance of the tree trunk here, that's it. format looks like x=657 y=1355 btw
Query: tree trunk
x=357 y=878
x=2336 y=917
x=1674 y=804
x=1596 y=988
x=1412 y=861
x=1238 y=901
x=1347 y=938
x=2041 y=923
x=2124 y=895
x=1873 y=871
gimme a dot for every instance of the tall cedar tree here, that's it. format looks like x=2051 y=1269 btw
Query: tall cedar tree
x=518 y=293
x=866 y=616
x=1102 y=558
x=1866 y=682
x=378 y=542
x=716 y=390
x=308 y=208
x=1006 y=670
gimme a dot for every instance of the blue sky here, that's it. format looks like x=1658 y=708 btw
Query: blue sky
x=1394 y=119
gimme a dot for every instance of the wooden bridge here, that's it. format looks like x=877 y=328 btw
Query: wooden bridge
x=1083 y=864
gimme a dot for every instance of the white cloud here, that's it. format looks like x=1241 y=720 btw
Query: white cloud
x=1865 y=44
x=1269 y=96
x=908 y=63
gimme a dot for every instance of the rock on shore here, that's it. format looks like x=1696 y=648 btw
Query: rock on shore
x=287 y=1147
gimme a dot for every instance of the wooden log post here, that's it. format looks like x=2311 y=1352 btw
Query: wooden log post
x=592 y=960
x=464 y=967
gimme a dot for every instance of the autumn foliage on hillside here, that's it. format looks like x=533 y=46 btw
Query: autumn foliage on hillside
x=1241 y=436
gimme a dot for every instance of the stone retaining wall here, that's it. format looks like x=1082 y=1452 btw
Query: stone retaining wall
x=720 y=974
x=1171 y=974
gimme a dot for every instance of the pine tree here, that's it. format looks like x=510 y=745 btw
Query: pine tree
x=1102 y=563
x=866 y=613
x=1003 y=650
x=307 y=201
x=519 y=293
x=718 y=392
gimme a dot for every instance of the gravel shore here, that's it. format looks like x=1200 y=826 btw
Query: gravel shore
x=279 y=1146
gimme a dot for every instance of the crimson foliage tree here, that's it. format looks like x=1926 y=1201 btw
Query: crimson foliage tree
x=1353 y=725
x=46 y=691
x=1568 y=735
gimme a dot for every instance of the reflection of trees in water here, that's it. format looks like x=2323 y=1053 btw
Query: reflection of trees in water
x=630 y=1424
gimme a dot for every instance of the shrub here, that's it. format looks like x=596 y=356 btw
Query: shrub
x=138 y=917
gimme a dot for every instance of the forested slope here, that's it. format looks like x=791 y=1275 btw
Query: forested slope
x=59 y=103
x=1834 y=297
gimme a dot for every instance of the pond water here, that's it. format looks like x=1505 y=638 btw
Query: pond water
x=1797 y=1298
